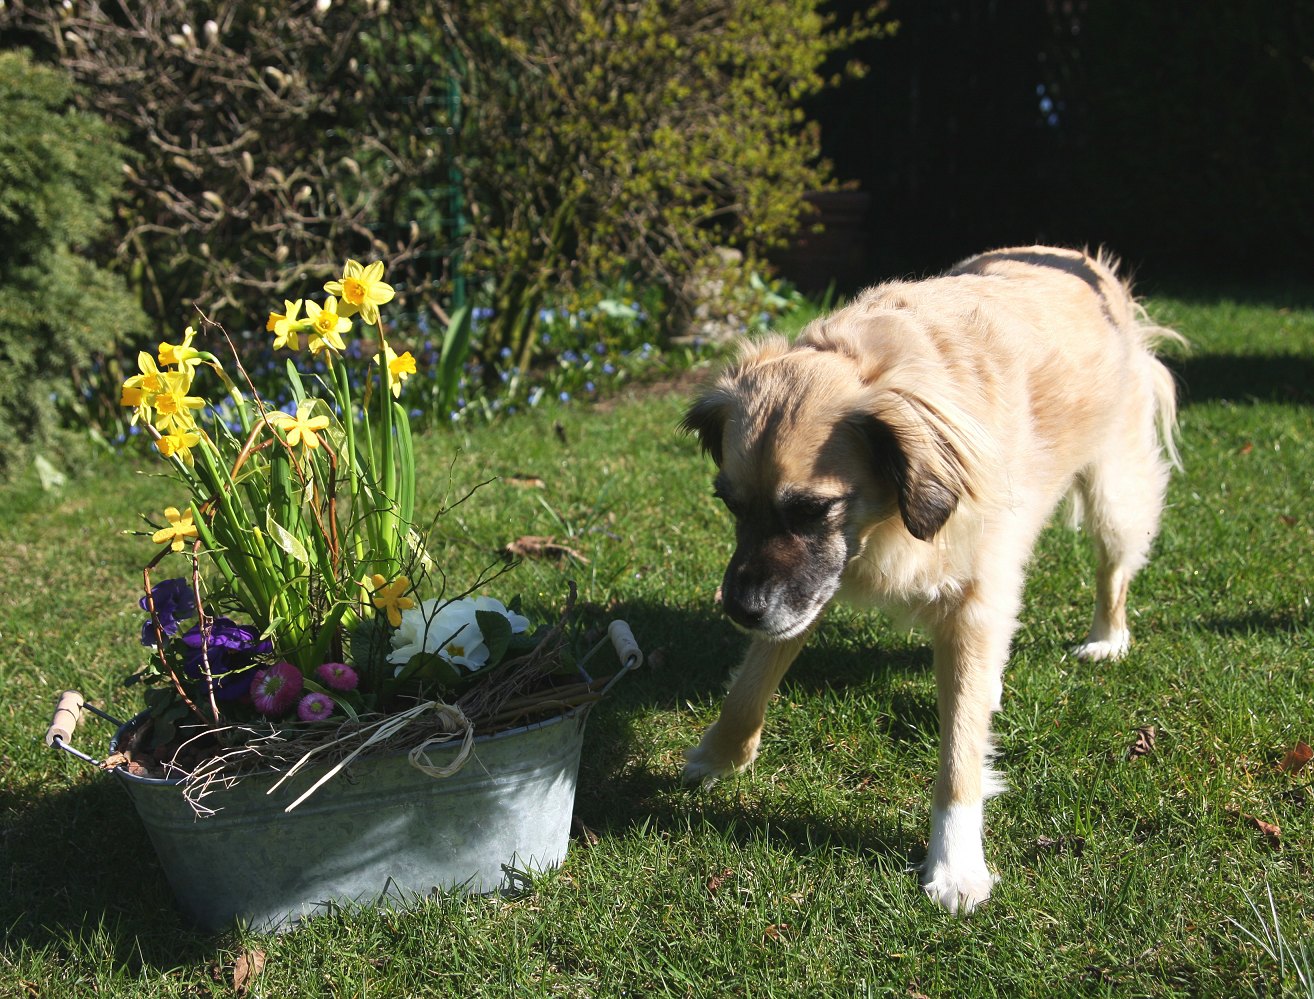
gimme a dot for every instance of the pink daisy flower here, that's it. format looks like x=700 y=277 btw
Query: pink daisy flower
x=276 y=689
x=337 y=676
x=315 y=707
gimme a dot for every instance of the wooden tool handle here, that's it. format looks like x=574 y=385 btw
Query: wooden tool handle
x=627 y=649
x=68 y=712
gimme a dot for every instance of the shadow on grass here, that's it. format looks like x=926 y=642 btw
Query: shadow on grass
x=1260 y=621
x=1269 y=378
x=81 y=869
x=619 y=792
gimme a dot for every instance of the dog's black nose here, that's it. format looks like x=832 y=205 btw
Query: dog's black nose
x=746 y=607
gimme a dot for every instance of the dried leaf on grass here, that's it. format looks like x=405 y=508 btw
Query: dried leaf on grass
x=1272 y=832
x=776 y=931
x=585 y=835
x=716 y=880
x=248 y=967
x=1297 y=758
x=536 y=546
x=1143 y=744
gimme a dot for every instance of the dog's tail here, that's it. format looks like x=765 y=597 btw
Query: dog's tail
x=1130 y=316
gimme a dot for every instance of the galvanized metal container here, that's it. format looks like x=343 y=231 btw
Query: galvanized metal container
x=380 y=828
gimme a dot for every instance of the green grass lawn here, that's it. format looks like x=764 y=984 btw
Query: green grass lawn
x=1120 y=876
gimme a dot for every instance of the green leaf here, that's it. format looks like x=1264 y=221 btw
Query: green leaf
x=456 y=345
x=294 y=379
x=432 y=666
x=285 y=539
x=369 y=646
x=497 y=634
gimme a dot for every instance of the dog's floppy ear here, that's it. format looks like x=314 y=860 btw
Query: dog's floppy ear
x=706 y=419
x=913 y=446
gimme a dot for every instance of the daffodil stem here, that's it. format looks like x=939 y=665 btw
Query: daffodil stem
x=350 y=459
x=392 y=550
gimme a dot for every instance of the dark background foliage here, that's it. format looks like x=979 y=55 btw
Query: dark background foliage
x=1179 y=132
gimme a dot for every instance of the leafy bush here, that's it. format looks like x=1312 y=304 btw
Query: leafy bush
x=272 y=139
x=601 y=139
x=59 y=171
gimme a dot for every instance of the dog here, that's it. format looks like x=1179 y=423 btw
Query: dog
x=905 y=452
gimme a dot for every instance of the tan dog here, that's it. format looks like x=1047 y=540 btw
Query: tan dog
x=905 y=452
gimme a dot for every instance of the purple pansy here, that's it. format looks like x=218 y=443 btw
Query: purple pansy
x=174 y=602
x=231 y=650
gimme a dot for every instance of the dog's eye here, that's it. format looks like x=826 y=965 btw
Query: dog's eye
x=736 y=510
x=802 y=512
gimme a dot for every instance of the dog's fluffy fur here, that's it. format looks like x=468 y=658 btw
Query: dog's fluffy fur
x=905 y=452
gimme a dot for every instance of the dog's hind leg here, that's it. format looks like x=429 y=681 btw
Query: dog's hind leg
x=971 y=649
x=1122 y=497
x=731 y=743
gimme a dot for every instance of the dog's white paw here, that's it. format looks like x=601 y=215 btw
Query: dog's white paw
x=958 y=891
x=710 y=760
x=955 y=874
x=1114 y=646
x=701 y=768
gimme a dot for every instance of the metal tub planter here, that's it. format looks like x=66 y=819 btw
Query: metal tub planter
x=381 y=829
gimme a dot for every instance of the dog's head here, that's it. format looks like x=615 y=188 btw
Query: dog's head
x=815 y=450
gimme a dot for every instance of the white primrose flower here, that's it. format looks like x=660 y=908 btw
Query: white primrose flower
x=451 y=630
x=519 y=623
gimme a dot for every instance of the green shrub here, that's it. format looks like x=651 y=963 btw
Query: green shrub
x=601 y=138
x=61 y=313
x=272 y=140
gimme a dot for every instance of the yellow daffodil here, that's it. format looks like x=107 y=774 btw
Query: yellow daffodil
x=286 y=326
x=400 y=367
x=140 y=391
x=363 y=290
x=300 y=429
x=173 y=405
x=388 y=597
x=179 y=444
x=179 y=530
x=183 y=355
x=326 y=325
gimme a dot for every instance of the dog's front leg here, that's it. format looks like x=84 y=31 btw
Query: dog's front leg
x=971 y=647
x=731 y=743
